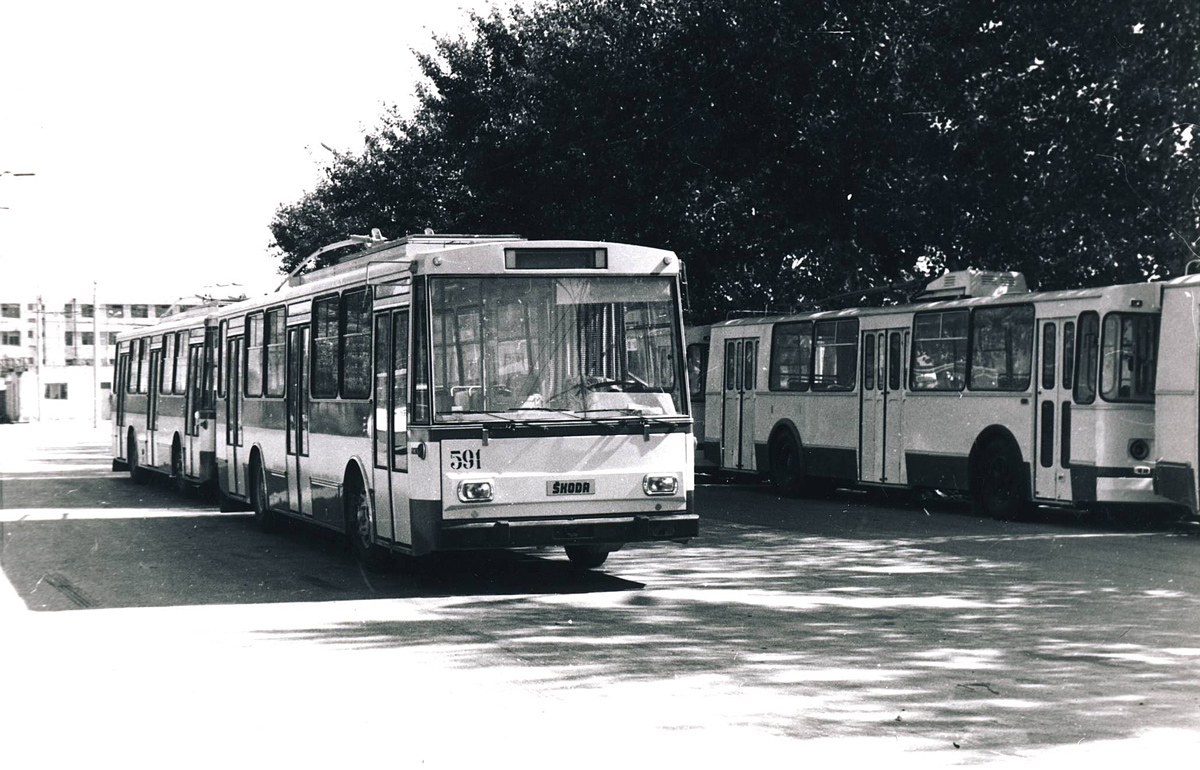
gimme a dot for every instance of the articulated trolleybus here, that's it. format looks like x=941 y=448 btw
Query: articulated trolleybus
x=1018 y=398
x=465 y=392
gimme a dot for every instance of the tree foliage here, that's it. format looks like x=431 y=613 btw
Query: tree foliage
x=789 y=150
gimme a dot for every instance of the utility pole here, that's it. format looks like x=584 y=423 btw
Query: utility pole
x=38 y=320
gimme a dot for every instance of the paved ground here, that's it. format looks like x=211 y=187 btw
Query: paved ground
x=145 y=628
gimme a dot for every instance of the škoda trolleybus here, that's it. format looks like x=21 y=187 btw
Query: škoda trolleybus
x=163 y=416
x=465 y=392
x=1017 y=398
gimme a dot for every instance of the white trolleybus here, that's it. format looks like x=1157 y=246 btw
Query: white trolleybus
x=1017 y=398
x=1177 y=428
x=163 y=420
x=465 y=392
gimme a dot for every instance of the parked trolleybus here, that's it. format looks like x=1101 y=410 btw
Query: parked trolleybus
x=1015 y=397
x=464 y=392
x=1177 y=428
x=697 y=339
x=163 y=420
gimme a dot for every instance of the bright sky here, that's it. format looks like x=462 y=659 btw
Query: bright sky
x=164 y=136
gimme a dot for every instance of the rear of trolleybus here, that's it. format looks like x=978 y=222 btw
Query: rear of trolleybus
x=549 y=403
x=163 y=420
x=1177 y=414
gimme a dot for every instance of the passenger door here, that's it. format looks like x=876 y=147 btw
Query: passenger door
x=235 y=396
x=883 y=407
x=390 y=454
x=1052 y=416
x=152 y=410
x=297 y=419
x=737 y=407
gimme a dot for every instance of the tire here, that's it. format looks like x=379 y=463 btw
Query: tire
x=137 y=474
x=264 y=518
x=358 y=527
x=586 y=556
x=998 y=487
x=787 y=470
x=178 y=480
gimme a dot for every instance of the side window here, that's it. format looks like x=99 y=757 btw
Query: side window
x=254 y=354
x=325 y=347
x=731 y=377
x=791 y=356
x=1002 y=348
x=697 y=359
x=419 y=376
x=749 y=365
x=895 y=352
x=179 y=382
x=1068 y=355
x=167 y=375
x=273 y=347
x=223 y=338
x=1049 y=355
x=356 y=344
x=868 y=359
x=835 y=355
x=939 y=357
x=1086 y=357
x=1129 y=357
x=144 y=365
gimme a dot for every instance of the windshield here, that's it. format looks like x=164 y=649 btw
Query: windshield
x=554 y=348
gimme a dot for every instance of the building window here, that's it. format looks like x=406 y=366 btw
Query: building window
x=112 y=337
x=10 y=338
x=139 y=311
x=69 y=308
x=274 y=351
x=10 y=311
x=87 y=310
x=115 y=311
x=56 y=391
x=69 y=338
x=87 y=338
x=161 y=310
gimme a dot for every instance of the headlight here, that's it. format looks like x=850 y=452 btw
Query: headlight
x=660 y=485
x=1139 y=449
x=474 y=491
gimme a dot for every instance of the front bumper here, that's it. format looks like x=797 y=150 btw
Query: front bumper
x=605 y=530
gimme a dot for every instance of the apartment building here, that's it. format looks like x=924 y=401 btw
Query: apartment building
x=56 y=355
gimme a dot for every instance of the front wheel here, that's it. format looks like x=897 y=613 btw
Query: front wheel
x=178 y=480
x=358 y=528
x=586 y=556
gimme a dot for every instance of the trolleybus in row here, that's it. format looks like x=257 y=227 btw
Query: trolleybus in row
x=456 y=392
x=983 y=387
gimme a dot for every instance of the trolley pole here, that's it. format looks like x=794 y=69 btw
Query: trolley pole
x=96 y=348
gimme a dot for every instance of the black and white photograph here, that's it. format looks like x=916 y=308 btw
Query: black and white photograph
x=608 y=383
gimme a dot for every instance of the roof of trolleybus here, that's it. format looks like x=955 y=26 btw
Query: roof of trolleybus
x=1103 y=298
x=547 y=347
x=192 y=318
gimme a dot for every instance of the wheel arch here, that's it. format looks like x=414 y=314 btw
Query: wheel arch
x=988 y=435
x=782 y=427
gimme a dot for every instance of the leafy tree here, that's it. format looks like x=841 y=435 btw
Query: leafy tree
x=792 y=150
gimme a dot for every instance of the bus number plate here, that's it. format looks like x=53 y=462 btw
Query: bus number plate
x=571 y=487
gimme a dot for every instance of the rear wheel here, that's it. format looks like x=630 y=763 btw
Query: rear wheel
x=264 y=517
x=998 y=487
x=586 y=556
x=786 y=468
x=137 y=474
x=178 y=480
